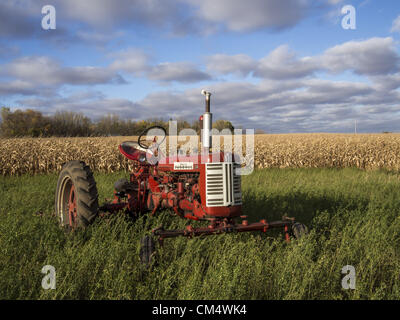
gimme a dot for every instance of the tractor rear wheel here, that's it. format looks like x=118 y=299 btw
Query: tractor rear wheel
x=299 y=230
x=76 y=201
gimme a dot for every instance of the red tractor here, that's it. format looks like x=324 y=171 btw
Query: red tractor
x=202 y=187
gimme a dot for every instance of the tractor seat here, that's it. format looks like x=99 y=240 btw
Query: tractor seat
x=132 y=151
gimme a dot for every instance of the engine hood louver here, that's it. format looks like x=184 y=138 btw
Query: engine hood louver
x=223 y=185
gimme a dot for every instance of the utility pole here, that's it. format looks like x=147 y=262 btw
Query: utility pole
x=355 y=126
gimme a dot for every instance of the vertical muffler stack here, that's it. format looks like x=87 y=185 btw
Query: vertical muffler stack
x=207 y=124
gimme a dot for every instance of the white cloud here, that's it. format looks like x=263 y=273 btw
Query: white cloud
x=179 y=17
x=137 y=63
x=106 y=13
x=302 y=105
x=305 y=105
x=333 y=2
x=184 y=72
x=8 y=51
x=396 y=25
x=372 y=57
x=240 y=64
x=282 y=63
x=130 y=60
x=40 y=71
x=239 y=15
x=375 y=56
x=18 y=87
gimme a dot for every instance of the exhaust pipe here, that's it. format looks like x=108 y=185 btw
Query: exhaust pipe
x=207 y=124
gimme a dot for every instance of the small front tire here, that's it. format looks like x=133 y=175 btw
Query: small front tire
x=147 y=250
x=299 y=230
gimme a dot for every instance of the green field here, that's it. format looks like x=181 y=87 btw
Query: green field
x=354 y=217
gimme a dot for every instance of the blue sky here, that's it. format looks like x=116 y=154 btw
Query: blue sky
x=277 y=65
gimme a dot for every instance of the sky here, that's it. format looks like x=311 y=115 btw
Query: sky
x=282 y=66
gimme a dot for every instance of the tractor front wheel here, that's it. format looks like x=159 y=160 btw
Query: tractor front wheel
x=147 y=251
x=76 y=202
x=299 y=230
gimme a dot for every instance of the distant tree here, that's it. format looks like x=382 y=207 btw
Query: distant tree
x=71 y=124
x=24 y=123
x=4 y=113
x=68 y=123
x=182 y=124
x=260 y=131
x=223 y=124
x=196 y=126
x=108 y=125
x=130 y=128
x=142 y=125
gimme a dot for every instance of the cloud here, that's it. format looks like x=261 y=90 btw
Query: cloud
x=28 y=74
x=105 y=13
x=282 y=63
x=238 y=15
x=240 y=64
x=310 y=105
x=18 y=87
x=184 y=72
x=43 y=72
x=15 y=20
x=138 y=63
x=333 y=2
x=22 y=19
x=298 y=105
x=375 y=56
x=130 y=60
x=285 y=94
x=396 y=25
x=189 y=16
x=372 y=57
x=97 y=38
x=8 y=51
x=304 y=106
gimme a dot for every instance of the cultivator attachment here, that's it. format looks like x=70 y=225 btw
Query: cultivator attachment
x=289 y=226
x=148 y=243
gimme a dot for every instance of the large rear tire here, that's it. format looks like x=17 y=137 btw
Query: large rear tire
x=76 y=201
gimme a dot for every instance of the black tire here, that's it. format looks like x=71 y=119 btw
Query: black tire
x=299 y=230
x=76 y=175
x=147 y=251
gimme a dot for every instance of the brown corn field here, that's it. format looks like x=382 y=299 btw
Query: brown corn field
x=366 y=151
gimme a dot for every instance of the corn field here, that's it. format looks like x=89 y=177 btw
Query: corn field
x=366 y=151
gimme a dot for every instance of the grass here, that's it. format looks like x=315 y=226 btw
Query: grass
x=353 y=216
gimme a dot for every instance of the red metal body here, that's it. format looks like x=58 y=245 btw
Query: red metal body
x=197 y=187
x=160 y=186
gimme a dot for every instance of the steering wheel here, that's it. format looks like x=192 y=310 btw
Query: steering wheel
x=143 y=138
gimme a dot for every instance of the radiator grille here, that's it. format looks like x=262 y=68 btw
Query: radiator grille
x=223 y=185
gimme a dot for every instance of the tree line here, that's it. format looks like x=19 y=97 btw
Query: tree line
x=32 y=123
